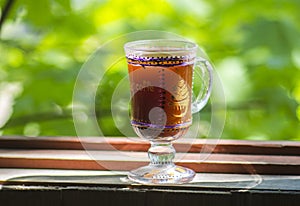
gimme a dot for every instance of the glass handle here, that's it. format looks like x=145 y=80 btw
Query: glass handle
x=205 y=70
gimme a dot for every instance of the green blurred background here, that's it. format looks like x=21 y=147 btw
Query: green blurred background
x=254 y=45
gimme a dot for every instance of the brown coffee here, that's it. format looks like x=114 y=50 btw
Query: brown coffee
x=161 y=98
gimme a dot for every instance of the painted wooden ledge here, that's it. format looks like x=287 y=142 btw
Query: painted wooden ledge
x=98 y=153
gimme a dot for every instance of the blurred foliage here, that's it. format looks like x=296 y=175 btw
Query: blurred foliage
x=254 y=45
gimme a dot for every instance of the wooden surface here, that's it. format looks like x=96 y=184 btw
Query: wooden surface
x=213 y=181
x=70 y=171
x=113 y=160
x=82 y=187
x=226 y=156
x=136 y=144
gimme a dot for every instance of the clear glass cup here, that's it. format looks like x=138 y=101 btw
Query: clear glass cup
x=161 y=80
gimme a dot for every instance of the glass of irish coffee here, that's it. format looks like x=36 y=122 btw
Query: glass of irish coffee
x=161 y=80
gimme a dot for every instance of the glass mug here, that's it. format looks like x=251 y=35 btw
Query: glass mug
x=161 y=80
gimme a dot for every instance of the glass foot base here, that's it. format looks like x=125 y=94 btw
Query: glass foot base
x=161 y=174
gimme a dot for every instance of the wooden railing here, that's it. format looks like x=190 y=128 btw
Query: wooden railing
x=92 y=171
x=98 y=153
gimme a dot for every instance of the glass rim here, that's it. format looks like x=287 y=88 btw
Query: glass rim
x=161 y=45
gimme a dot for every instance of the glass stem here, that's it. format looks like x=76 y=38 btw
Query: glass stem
x=161 y=153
